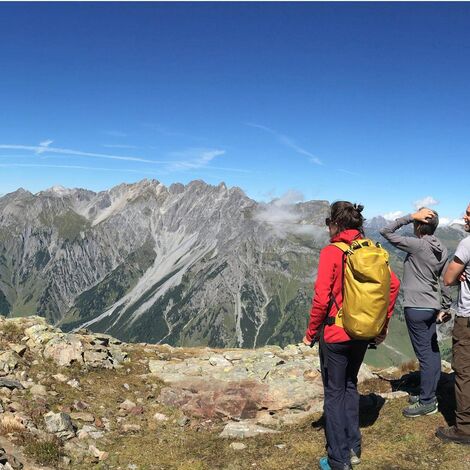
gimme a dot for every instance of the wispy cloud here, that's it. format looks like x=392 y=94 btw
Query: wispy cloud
x=190 y=159
x=73 y=167
x=114 y=133
x=43 y=146
x=287 y=142
x=427 y=201
x=392 y=215
x=349 y=172
x=62 y=151
x=120 y=146
x=165 y=131
x=195 y=158
x=283 y=217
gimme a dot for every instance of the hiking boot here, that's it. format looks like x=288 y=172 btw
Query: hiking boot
x=323 y=464
x=452 y=434
x=420 y=409
x=413 y=399
x=355 y=458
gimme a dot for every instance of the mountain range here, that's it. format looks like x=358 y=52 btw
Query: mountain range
x=186 y=265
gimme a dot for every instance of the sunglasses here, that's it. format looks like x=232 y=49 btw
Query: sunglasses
x=327 y=221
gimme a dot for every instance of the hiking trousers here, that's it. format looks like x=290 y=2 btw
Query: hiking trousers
x=340 y=363
x=421 y=325
x=461 y=366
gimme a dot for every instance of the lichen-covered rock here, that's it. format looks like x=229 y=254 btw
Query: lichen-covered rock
x=64 y=351
x=8 y=361
x=11 y=384
x=238 y=384
x=59 y=424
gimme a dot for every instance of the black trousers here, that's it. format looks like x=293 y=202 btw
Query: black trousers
x=422 y=329
x=340 y=363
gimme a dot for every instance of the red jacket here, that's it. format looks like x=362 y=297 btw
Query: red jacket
x=329 y=279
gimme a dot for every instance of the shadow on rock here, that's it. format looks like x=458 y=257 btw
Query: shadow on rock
x=369 y=410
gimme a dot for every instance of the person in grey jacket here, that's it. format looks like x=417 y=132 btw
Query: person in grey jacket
x=425 y=299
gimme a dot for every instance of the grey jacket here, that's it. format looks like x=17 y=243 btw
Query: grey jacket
x=423 y=267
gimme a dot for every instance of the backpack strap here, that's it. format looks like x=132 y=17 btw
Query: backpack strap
x=344 y=247
x=338 y=320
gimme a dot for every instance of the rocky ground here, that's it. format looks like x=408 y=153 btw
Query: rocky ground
x=87 y=400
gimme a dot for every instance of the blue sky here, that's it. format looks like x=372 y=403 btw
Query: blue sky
x=367 y=102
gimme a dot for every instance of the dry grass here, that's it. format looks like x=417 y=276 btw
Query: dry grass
x=10 y=424
x=374 y=386
x=409 y=366
x=390 y=443
x=11 y=332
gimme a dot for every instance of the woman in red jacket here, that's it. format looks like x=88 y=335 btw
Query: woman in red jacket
x=340 y=355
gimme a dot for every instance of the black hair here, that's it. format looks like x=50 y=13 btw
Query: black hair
x=430 y=227
x=347 y=215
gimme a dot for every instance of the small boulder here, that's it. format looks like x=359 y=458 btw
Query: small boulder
x=64 y=352
x=160 y=417
x=131 y=427
x=127 y=405
x=20 y=349
x=244 y=429
x=74 y=383
x=82 y=416
x=237 y=446
x=11 y=384
x=183 y=421
x=38 y=390
x=59 y=424
x=8 y=361
x=98 y=454
x=60 y=378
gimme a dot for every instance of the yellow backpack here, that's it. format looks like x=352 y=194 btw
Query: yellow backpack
x=366 y=289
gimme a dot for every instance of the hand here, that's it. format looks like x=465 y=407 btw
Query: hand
x=306 y=341
x=443 y=317
x=381 y=338
x=463 y=277
x=423 y=215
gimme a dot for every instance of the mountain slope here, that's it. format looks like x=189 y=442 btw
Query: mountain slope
x=194 y=264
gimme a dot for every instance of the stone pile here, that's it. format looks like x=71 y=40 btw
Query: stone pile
x=84 y=347
x=37 y=341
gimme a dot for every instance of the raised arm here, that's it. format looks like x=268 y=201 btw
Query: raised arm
x=408 y=244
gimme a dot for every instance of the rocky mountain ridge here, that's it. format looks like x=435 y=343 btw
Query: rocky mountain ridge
x=186 y=264
x=194 y=264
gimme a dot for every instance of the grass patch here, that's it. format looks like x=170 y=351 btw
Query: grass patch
x=45 y=452
x=11 y=332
